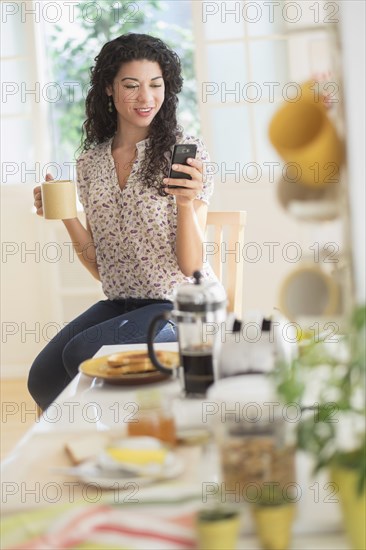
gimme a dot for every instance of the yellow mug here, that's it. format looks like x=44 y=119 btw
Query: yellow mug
x=58 y=199
x=306 y=138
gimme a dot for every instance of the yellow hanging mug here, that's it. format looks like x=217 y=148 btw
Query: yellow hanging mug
x=307 y=140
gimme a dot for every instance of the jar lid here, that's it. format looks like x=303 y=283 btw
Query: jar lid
x=200 y=296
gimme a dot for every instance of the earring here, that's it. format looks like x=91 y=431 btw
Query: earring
x=110 y=105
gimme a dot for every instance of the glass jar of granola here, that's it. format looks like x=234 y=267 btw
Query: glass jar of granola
x=253 y=432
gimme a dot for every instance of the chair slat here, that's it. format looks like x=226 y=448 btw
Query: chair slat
x=230 y=257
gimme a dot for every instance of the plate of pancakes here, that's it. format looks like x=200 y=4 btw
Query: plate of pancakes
x=129 y=367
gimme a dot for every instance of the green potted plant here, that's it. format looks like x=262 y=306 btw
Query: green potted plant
x=273 y=514
x=327 y=379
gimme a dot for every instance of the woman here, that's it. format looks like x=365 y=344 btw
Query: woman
x=142 y=238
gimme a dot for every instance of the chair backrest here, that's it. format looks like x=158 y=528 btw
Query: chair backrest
x=226 y=249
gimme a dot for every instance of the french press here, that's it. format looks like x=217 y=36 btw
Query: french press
x=199 y=311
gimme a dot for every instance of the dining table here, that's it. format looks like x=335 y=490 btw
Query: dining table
x=48 y=504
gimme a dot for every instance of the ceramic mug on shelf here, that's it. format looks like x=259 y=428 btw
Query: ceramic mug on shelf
x=309 y=291
x=307 y=140
x=309 y=203
x=59 y=199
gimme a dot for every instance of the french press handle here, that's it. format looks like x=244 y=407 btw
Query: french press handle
x=164 y=316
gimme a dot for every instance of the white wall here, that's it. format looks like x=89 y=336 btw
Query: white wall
x=24 y=294
x=43 y=285
x=36 y=296
x=352 y=29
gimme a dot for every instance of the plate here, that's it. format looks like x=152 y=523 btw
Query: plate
x=99 y=368
x=108 y=473
x=92 y=473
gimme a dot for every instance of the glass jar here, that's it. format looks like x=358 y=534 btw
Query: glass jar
x=154 y=417
x=254 y=440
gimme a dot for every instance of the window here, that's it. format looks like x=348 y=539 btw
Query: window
x=249 y=56
x=252 y=56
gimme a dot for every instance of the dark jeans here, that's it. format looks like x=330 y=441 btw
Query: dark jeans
x=107 y=322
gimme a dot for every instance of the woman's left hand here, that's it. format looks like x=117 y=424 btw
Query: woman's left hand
x=188 y=189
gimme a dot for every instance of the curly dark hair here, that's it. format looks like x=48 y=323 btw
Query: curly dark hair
x=164 y=130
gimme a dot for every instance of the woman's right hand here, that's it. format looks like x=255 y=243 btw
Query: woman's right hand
x=38 y=196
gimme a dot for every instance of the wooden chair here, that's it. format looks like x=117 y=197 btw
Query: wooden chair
x=225 y=254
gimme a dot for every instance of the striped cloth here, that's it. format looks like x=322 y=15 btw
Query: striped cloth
x=148 y=524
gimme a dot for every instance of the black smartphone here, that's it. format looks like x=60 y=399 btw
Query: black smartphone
x=181 y=153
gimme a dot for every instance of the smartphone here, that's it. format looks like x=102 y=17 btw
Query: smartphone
x=181 y=153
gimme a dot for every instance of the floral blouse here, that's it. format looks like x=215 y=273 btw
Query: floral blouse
x=134 y=229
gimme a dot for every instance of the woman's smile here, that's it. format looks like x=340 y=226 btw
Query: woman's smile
x=144 y=111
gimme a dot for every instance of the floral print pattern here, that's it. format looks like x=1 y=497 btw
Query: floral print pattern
x=134 y=228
